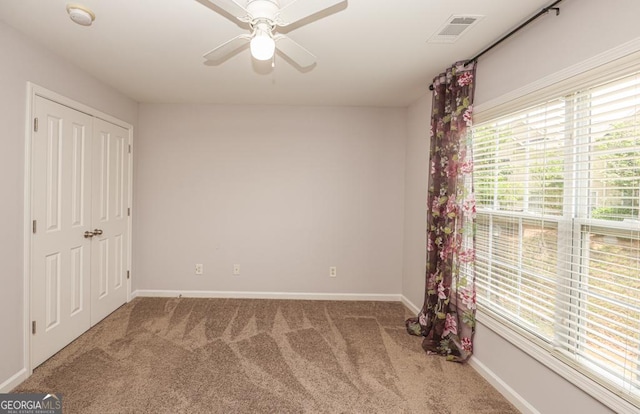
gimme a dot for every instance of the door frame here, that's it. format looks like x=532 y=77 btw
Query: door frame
x=34 y=90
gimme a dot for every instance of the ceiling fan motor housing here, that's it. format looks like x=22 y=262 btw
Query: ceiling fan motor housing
x=263 y=10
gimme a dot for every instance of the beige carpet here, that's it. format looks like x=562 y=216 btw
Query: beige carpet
x=160 y=355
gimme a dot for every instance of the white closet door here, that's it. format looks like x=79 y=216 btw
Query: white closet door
x=61 y=208
x=110 y=221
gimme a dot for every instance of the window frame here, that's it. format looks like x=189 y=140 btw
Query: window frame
x=604 y=67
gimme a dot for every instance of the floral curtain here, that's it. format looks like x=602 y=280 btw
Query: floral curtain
x=447 y=318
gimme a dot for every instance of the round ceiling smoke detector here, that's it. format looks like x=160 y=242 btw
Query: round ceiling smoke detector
x=80 y=14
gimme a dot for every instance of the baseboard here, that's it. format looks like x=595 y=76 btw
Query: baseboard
x=266 y=295
x=14 y=381
x=503 y=388
x=410 y=304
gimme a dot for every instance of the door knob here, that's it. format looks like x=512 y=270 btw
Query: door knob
x=90 y=234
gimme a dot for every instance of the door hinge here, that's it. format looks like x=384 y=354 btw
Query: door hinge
x=33 y=327
x=129 y=148
x=35 y=124
x=128 y=211
x=128 y=274
x=34 y=226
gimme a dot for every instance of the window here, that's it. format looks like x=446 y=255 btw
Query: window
x=557 y=185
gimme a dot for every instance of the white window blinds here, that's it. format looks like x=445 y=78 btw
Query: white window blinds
x=558 y=226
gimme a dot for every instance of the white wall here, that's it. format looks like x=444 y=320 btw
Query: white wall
x=584 y=28
x=415 y=214
x=538 y=387
x=22 y=61
x=283 y=191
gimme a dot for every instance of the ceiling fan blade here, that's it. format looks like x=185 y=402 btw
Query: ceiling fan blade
x=298 y=54
x=233 y=8
x=227 y=49
x=299 y=9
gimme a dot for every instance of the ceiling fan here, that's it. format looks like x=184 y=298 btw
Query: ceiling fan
x=264 y=17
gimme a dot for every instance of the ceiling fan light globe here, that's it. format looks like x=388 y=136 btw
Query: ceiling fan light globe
x=262 y=47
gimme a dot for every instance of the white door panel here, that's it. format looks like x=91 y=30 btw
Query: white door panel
x=61 y=206
x=80 y=247
x=110 y=200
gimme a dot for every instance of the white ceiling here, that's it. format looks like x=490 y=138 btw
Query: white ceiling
x=369 y=52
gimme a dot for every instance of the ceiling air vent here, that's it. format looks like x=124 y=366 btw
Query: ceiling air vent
x=455 y=27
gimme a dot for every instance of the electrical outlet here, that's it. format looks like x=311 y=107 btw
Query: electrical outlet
x=199 y=268
x=333 y=271
x=236 y=269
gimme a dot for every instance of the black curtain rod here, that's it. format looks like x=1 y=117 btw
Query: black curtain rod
x=511 y=33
